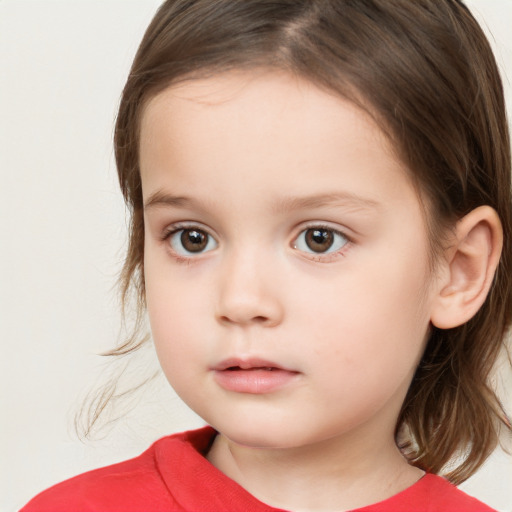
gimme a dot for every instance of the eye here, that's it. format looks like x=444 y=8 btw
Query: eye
x=191 y=241
x=320 y=240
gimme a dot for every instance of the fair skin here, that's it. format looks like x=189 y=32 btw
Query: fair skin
x=287 y=283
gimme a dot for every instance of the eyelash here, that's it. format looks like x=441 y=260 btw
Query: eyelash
x=318 y=257
x=325 y=257
x=173 y=230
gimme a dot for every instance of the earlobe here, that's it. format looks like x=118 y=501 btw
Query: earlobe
x=469 y=266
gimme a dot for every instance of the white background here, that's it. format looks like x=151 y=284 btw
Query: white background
x=62 y=223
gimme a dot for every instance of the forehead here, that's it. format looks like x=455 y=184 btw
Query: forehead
x=244 y=90
x=241 y=110
x=265 y=136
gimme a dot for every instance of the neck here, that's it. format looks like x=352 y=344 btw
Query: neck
x=336 y=474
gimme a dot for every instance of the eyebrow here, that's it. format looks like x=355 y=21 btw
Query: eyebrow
x=344 y=199
x=285 y=204
x=160 y=198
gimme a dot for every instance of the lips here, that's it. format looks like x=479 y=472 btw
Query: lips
x=247 y=364
x=253 y=376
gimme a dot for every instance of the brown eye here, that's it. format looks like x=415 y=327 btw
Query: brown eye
x=191 y=241
x=320 y=240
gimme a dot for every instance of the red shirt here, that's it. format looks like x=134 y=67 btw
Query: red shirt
x=173 y=475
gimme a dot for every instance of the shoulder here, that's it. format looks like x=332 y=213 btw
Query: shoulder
x=116 y=487
x=431 y=493
x=135 y=484
x=448 y=497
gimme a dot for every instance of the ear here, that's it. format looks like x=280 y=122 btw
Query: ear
x=468 y=269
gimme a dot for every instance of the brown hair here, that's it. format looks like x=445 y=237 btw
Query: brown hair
x=425 y=71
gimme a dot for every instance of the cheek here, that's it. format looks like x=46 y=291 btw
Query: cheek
x=177 y=310
x=174 y=317
x=180 y=338
x=368 y=324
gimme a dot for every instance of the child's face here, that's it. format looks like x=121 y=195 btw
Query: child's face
x=282 y=232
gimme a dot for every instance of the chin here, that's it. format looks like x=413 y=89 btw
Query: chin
x=264 y=434
x=261 y=440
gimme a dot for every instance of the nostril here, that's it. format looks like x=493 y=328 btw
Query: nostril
x=261 y=310
x=260 y=319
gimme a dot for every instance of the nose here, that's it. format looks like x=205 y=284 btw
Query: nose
x=249 y=292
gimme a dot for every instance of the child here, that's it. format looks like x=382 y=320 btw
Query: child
x=321 y=235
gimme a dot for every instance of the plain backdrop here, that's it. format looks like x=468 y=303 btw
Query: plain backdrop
x=63 y=227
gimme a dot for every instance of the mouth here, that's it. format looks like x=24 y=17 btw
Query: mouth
x=235 y=364
x=237 y=368
x=253 y=376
